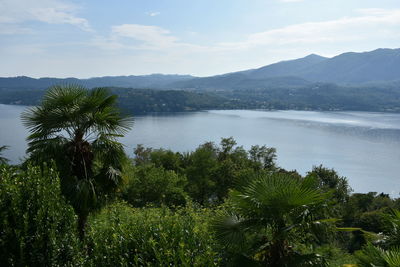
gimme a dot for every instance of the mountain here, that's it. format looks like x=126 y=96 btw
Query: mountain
x=145 y=81
x=379 y=66
x=238 y=81
x=286 y=68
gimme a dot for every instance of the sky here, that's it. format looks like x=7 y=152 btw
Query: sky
x=69 y=38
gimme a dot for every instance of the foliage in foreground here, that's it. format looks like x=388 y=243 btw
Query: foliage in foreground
x=269 y=216
x=37 y=226
x=124 y=236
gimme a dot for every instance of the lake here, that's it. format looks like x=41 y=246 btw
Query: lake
x=363 y=146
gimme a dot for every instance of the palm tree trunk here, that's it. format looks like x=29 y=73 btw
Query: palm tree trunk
x=82 y=219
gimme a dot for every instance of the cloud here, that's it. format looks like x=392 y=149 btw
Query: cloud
x=153 y=14
x=367 y=26
x=149 y=36
x=16 y=12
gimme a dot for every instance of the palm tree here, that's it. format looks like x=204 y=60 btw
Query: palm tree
x=78 y=129
x=386 y=251
x=3 y=160
x=267 y=217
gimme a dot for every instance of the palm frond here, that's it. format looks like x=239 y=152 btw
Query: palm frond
x=276 y=194
x=230 y=230
x=3 y=160
x=371 y=256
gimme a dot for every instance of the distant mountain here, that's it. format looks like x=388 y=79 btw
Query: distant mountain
x=377 y=65
x=145 y=81
x=238 y=81
x=380 y=66
x=286 y=68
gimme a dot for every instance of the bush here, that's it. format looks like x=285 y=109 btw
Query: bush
x=37 y=226
x=147 y=184
x=121 y=236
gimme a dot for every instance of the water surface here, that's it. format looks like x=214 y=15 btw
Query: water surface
x=363 y=146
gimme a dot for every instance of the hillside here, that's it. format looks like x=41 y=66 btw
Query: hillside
x=381 y=65
x=144 y=81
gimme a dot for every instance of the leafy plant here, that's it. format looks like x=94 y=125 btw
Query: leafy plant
x=125 y=236
x=268 y=217
x=78 y=129
x=37 y=225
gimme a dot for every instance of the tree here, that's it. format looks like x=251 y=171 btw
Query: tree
x=263 y=156
x=149 y=184
x=78 y=128
x=268 y=217
x=329 y=180
x=3 y=160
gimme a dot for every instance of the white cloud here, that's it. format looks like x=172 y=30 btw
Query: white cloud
x=374 y=23
x=145 y=37
x=153 y=14
x=369 y=25
x=16 y=12
x=151 y=36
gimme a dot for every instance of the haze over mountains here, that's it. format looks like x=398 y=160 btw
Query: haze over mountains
x=378 y=66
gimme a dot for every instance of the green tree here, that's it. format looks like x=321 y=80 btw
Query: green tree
x=268 y=217
x=263 y=156
x=148 y=184
x=78 y=128
x=201 y=165
x=329 y=180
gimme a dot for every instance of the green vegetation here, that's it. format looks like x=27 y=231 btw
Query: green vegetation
x=38 y=227
x=269 y=217
x=78 y=200
x=77 y=129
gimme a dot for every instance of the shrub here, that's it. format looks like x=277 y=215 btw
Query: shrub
x=121 y=236
x=147 y=184
x=37 y=226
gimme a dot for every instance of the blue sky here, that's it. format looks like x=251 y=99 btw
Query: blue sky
x=65 y=38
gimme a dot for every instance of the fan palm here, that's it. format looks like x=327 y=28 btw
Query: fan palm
x=267 y=215
x=386 y=251
x=373 y=256
x=3 y=160
x=78 y=129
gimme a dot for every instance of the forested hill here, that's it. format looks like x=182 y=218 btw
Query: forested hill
x=135 y=101
x=318 y=96
x=144 y=81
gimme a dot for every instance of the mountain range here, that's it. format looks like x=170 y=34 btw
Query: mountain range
x=375 y=67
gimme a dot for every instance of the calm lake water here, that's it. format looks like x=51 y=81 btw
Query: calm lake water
x=363 y=146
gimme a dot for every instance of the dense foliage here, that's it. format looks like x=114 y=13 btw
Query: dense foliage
x=37 y=226
x=172 y=210
x=123 y=236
